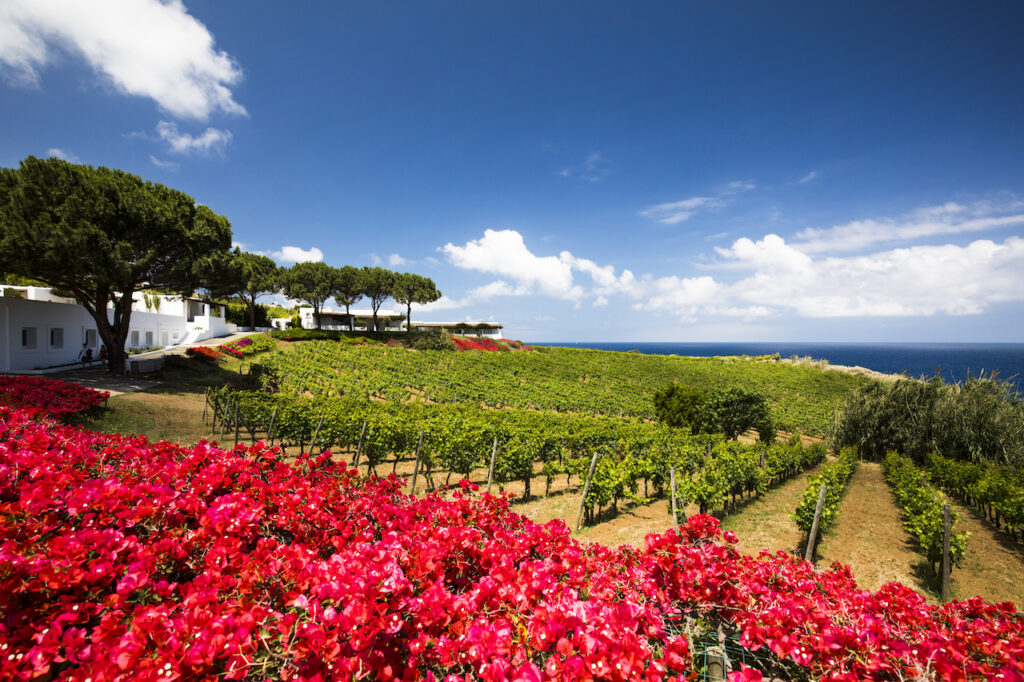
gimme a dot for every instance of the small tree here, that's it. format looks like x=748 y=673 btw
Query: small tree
x=101 y=235
x=377 y=284
x=245 y=275
x=730 y=411
x=311 y=283
x=349 y=290
x=410 y=288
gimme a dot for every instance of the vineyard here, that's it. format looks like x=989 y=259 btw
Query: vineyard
x=123 y=558
x=551 y=379
x=380 y=559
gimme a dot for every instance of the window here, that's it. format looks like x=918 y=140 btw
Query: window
x=28 y=337
x=56 y=337
x=90 y=338
x=134 y=342
x=163 y=339
x=149 y=339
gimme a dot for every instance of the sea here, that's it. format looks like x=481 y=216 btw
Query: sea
x=954 y=362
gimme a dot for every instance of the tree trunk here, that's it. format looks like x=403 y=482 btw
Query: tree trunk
x=252 y=311
x=351 y=322
x=113 y=334
x=408 y=316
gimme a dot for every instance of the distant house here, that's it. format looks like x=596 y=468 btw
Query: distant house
x=489 y=330
x=392 y=321
x=39 y=329
x=361 y=320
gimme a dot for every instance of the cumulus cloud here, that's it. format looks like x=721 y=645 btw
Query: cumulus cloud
x=915 y=281
x=295 y=254
x=144 y=48
x=503 y=252
x=394 y=260
x=945 y=219
x=212 y=140
x=61 y=154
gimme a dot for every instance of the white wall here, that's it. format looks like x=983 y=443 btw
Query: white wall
x=74 y=323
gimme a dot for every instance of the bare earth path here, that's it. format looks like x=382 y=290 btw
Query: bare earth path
x=767 y=522
x=868 y=536
x=994 y=564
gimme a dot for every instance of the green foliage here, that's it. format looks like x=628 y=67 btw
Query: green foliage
x=981 y=420
x=349 y=287
x=100 y=234
x=377 y=284
x=239 y=313
x=561 y=379
x=312 y=283
x=835 y=476
x=730 y=410
x=245 y=275
x=998 y=490
x=922 y=509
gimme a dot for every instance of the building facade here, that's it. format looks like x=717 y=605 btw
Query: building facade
x=39 y=330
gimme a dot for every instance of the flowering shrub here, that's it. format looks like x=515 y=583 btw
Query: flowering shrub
x=58 y=398
x=248 y=345
x=484 y=343
x=121 y=558
x=204 y=353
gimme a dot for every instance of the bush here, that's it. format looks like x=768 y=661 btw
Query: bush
x=730 y=411
x=981 y=420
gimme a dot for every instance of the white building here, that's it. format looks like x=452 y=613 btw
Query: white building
x=361 y=320
x=392 y=321
x=39 y=329
x=486 y=330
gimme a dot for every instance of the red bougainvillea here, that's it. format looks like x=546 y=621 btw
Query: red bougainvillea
x=58 y=398
x=124 y=559
x=206 y=353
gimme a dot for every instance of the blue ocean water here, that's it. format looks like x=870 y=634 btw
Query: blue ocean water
x=952 y=361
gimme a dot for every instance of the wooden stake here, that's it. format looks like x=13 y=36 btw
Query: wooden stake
x=359 y=448
x=490 y=469
x=675 y=515
x=206 y=403
x=814 y=524
x=270 y=429
x=586 y=489
x=316 y=432
x=946 y=568
x=236 y=422
x=416 y=467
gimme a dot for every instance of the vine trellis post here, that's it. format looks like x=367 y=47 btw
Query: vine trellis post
x=586 y=489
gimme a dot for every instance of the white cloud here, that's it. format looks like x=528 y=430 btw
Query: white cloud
x=211 y=140
x=166 y=165
x=145 y=48
x=948 y=218
x=674 y=212
x=394 y=260
x=921 y=280
x=295 y=254
x=61 y=154
x=813 y=175
x=503 y=252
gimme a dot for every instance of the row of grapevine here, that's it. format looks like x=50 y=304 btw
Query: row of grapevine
x=834 y=476
x=458 y=439
x=997 y=490
x=561 y=379
x=923 y=509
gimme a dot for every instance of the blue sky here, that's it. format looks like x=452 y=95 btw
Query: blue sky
x=659 y=171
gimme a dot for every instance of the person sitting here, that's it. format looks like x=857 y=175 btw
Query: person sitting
x=103 y=354
x=86 y=356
